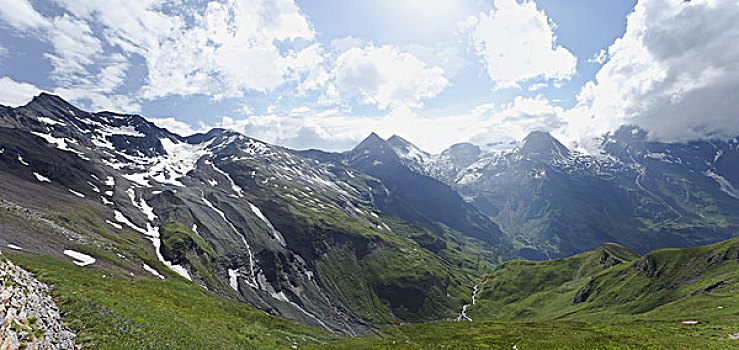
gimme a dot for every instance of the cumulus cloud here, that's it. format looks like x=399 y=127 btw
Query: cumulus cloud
x=223 y=50
x=385 y=77
x=599 y=57
x=512 y=122
x=177 y=126
x=497 y=126
x=75 y=48
x=21 y=15
x=15 y=93
x=516 y=43
x=81 y=68
x=220 y=49
x=670 y=73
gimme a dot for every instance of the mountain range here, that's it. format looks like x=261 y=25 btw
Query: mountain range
x=353 y=241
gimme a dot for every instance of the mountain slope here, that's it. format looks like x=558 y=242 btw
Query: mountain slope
x=408 y=195
x=613 y=282
x=414 y=194
x=608 y=298
x=297 y=238
x=554 y=202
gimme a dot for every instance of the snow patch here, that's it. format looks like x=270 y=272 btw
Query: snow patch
x=718 y=155
x=724 y=184
x=233 y=279
x=118 y=226
x=81 y=259
x=281 y=296
x=153 y=271
x=47 y=120
x=120 y=130
x=59 y=143
x=94 y=188
x=14 y=247
x=277 y=235
x=41 y=177
x=76 y=193
x=180 y=160
x=152 y=234
x=234 y=186
x=124 y=220
x=253 y=282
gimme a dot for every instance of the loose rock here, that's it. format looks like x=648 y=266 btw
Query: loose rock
x=22 y=300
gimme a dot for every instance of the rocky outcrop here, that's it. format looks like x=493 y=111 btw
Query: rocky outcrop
x=31 y=318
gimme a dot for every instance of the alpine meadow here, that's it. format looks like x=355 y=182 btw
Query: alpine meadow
x=369 y=174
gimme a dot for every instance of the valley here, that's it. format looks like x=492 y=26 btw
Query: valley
x=220 y=240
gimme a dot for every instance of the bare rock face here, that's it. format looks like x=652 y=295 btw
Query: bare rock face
x=31 y=319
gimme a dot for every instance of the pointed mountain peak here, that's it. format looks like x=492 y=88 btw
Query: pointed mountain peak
x=49 y=99
x=52 y=106
x=541 y=145
x=374 y=151
x=373 y=141
x=413 y=157
x=397 y=140
x=402 y=146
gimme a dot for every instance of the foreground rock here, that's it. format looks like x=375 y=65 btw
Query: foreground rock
x=31 y=318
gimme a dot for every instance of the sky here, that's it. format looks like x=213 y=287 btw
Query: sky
x=324 y=74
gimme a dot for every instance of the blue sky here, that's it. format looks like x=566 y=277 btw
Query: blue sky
x=324 y=74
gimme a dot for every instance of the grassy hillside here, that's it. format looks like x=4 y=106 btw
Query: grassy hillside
x=609 y=282
x=608 y=298
x=111 y=311
x=530 y=290
x=545 y=336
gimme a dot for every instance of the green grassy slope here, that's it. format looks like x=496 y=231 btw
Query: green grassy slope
x=624 y=301
x=545 y=336
x=609 y=282
x=529 y=290
x=635 y=303
x=117 y=311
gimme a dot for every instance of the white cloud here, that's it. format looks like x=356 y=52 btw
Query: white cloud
x=517 y=44
x=599 y=57
x=444 y=55
x=385 y=77
x=176 y=126
x=333 y=130
x=516 y=120
x=537 y=86
x=226 y=49
x=81 y=68
x=670 y=73
x=75 y=48
x=21 y=15
x=15 y=93
x=346 y=43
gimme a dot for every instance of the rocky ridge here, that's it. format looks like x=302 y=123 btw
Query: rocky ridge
x=31 y=318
